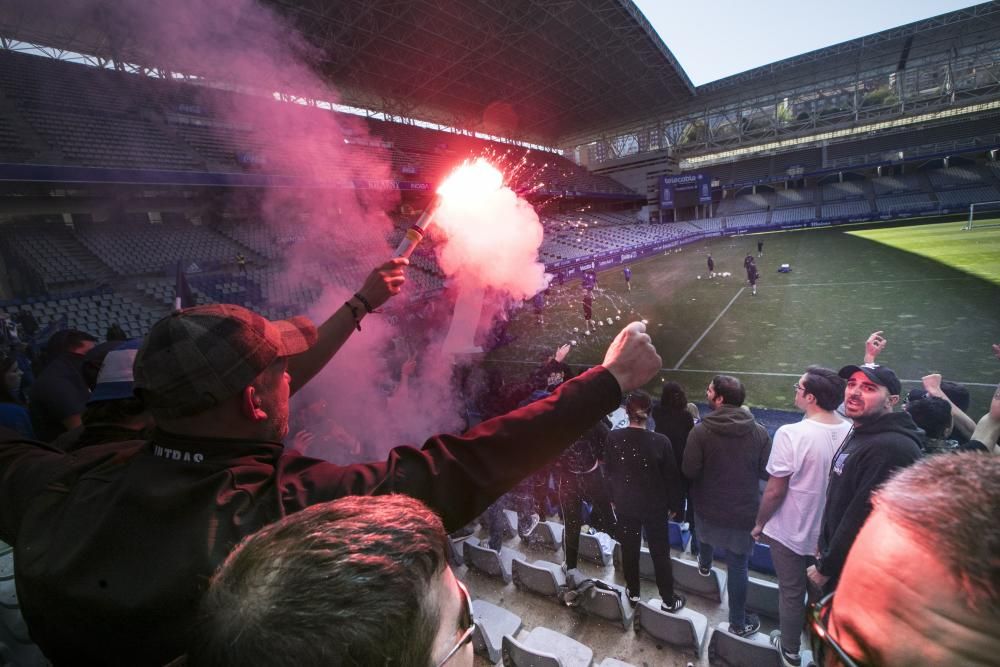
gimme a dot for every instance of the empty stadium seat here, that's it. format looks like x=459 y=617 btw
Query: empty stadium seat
x=762 y=597
x=490 y=562
x=543 y=647
x=541 y=577
x=760 y=559
x=492 y=623
x=684 y=629
x=611 y=605
x=679 y=537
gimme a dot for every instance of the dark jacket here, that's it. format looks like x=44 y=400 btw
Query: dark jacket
x=642 y=473
x=115 y=543
x=676 y=426
x=726 y=455
x=871 y=454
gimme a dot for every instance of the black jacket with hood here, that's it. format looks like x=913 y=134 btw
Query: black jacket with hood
x=725 y=456
x=868 y=457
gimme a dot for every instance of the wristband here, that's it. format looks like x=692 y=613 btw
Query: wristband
x=364 y=302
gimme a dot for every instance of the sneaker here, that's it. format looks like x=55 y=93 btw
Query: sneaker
x=705 y=571
x=634 y=600
x=533 y=522
x=787 y=659
x=751 y=625
x=675 y=605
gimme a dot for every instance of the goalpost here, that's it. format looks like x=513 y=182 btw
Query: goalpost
x=983 y=209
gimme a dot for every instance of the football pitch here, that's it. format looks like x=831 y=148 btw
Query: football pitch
x=931 y=287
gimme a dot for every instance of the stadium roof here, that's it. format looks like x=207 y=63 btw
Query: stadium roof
x=530 y=69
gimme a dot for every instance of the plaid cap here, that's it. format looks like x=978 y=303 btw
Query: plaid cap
x=195 y=358
x=880 y=375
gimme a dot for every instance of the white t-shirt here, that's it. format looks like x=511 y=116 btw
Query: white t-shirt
x=804 y=451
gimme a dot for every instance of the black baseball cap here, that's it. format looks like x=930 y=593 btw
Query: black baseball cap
x=880 y=375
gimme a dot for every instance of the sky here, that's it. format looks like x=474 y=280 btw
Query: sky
x=754 y=34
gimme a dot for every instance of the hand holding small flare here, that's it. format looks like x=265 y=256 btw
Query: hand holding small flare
x=470 y=180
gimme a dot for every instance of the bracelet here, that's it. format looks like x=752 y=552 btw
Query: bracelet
x=355 y=314
x=364 y=302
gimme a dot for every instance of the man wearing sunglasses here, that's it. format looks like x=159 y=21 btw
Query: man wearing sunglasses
x=921 y=585
x=363 y=580
x=882 y=442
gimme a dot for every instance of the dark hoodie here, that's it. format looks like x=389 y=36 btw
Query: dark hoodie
x=872 y=452
x=725 y=456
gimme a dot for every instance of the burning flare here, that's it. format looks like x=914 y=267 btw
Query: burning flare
x=468 y=184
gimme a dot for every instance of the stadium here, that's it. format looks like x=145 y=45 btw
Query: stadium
x=271 y=154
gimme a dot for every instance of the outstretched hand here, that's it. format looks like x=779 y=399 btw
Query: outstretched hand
x=996 y=350
x=874 y=346
x=384 y=281
x=631 y=358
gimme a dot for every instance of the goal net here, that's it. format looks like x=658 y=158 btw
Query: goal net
x=983 y=214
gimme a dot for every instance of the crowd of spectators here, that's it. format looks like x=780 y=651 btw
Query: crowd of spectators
x=156 y=515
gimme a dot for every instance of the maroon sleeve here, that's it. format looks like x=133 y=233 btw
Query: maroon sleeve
x=459 y=476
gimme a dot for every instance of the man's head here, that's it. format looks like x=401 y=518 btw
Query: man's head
x=224 y=361
x=933 y=415
x=955 y=392
x=72 y=341
x=819 y=388
x=725 y=389
x=921 y=585
x=871 y=391
x=358 y=581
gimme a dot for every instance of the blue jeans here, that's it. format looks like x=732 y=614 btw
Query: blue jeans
x=736 y=581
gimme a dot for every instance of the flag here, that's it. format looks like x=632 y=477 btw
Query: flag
x=183 y=296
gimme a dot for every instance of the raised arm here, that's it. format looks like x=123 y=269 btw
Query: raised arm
x=381 y=284
x=874 y=346
x=963 y=422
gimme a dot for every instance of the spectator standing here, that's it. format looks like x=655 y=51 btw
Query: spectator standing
x=130 y=545
x=13 y=414
x=646 y=490
x=881 y=442
x=60 y=391
x=674 y=420
x=726 y=455
x=579 y=478
x=921 y=585
x=792 y=507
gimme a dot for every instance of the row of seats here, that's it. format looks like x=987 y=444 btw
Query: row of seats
x=686 y=630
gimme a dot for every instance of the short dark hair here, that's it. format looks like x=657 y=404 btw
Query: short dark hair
x=932 y=414
x=730 y=389
x=949 y=501
x=825 y=385
x=957 y=394
x=339 y=583
x=67 y=340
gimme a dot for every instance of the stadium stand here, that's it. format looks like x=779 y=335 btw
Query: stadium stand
x=901 y=203
x=793 y=214
x=858 y=208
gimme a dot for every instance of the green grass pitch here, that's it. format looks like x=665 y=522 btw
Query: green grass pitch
x=933 y=288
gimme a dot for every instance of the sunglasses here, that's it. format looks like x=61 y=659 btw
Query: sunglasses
x=826 y=650
x=468 y=621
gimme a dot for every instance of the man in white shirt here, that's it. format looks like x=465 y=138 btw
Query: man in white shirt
x=792 y=507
